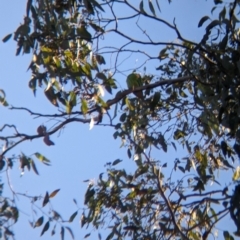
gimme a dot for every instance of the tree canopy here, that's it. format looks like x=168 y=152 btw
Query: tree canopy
x=182 y=95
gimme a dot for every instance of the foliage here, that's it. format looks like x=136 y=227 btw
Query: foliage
x=190 y=101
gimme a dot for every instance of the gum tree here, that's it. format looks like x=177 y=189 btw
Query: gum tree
x=80 y=59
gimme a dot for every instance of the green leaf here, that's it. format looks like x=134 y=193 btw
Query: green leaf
x=34 y=167
x=83 y=33
x=3 y=98
x=115 y=135
x=87 y=70
x=73 y=216
x=178 y=134
x=96 y=4
x=84 y=106
x=227 y=236
x=45 y=228
x=224 y=148
x=70 y=232
x=72 y=102
x=50 y=94
x=155 y=100
x=203 y=20
x=163 y=53
x=213 y=24
x=223 y=43
x=2 y=164
x=123 y=117
x=46 y=199
x=100 y=59
x=101 y=75
x=89 y=194
x=110 y=236
x=88 y=6
x=222 y=14
x=141 y=7
x=6 y=38
x=236 y=147
x=217 y=1
x=29 y=4
x=83 y=220
x=116 y=162
x=151 y=7
x=129 y=153
x=158 y=5
x=129 y=104
x=62 y=233
x=181 y=169
x=214 y=214
x=96 y=27
x=57 y=61
x=162 y=142
x=32 y=84
x=87 y=235
x=226 y=163
x=53 y=194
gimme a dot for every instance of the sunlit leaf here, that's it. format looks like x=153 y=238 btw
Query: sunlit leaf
x=53 y=194
x=236 y=174
x=84 y=106
x=3 y=98
x=39 y=222
x=91 y=124
x=101 y=90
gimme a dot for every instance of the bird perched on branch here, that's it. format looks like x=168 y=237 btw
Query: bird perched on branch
x=134 y=80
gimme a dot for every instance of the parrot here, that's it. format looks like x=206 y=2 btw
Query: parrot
x=134 y=80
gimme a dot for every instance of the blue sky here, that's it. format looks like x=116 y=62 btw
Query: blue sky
x=78 y=154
